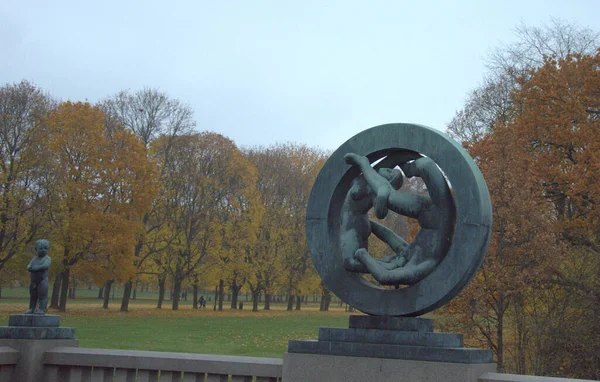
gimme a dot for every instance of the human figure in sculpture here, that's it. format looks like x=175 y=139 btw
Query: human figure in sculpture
x=38 y=270
x=435 y=214
x=356 y=226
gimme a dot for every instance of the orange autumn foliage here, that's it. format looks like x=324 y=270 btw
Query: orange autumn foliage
x=101 y=184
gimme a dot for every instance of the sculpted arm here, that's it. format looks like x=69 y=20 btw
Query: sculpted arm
x=30 y=265
x=426 y=169
x=45 y=264
x=378 y=184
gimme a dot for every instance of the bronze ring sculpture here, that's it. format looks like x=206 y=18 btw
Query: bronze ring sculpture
x=399 y=144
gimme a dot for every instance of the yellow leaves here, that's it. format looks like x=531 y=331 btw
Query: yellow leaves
x=103 y=185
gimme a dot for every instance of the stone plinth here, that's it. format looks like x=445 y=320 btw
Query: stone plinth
x=32 y=335
x=43 y=333
x=393 y=341
x=35 y=320
x=35 y=327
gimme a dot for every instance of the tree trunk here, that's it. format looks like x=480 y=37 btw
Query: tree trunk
x=101 y=292
x=520 y=335
x=55 y=291
x=235 y=290
x=0 y=292
x=176 y=293
x=107 y=288
x=499 y=334
x=290 y=302
x=195 y=291
x=216 y=298
x=267 y=305
x=255 y=297
x=64 y=290
x=161 y=291
x=126 y=294
x=298 y=302
x=134 y=297
x=325 y=300
x=221 y=287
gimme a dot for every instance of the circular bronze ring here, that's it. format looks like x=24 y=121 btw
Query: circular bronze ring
x=473 y=220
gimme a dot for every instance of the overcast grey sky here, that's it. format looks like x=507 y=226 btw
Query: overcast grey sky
x=260 y=72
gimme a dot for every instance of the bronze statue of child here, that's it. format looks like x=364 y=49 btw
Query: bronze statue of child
x=435 y=213
x=38 y=270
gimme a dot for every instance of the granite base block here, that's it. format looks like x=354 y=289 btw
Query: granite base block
x=34 y=320
x=36 y=333
x=407 y=352
x=415 y=338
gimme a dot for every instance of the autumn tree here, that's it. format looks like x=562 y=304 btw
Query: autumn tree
x=559 y=121
x=102 y=185
x=537 y=292
x=206 y=175
x=149 y=114
x=286 y=173
x=491 y=104
x=511 y=302
x=242 y=217
x=22 y=199
x=522 y=243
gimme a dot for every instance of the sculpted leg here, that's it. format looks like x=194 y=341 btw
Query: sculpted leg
x=43 y=296
x=383 y=233
x=349 y=242
x=406 y=275
x=33 y=297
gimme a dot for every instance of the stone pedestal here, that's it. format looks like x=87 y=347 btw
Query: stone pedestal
x=32 y=335
x=385 y=349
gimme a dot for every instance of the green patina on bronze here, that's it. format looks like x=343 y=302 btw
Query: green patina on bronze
x=38 y=286
x=454 y=233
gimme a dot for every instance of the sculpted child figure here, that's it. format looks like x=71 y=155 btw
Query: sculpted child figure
x=38 y=270
x=356 y=226
x=435 y=214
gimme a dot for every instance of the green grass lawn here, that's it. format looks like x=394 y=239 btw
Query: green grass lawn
x=231 y=332
x=261 y=335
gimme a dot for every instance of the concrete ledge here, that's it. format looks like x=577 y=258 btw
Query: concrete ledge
x=36 y=333
x=407 y=352
x=8 y=356
x=34 y=320
x=415 y=338
x=164 y=361
x=311 y=367
x=391 y=323
x=497 y=377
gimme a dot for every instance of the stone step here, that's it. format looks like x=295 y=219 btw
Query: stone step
x=417 y=353
x=391 y=323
